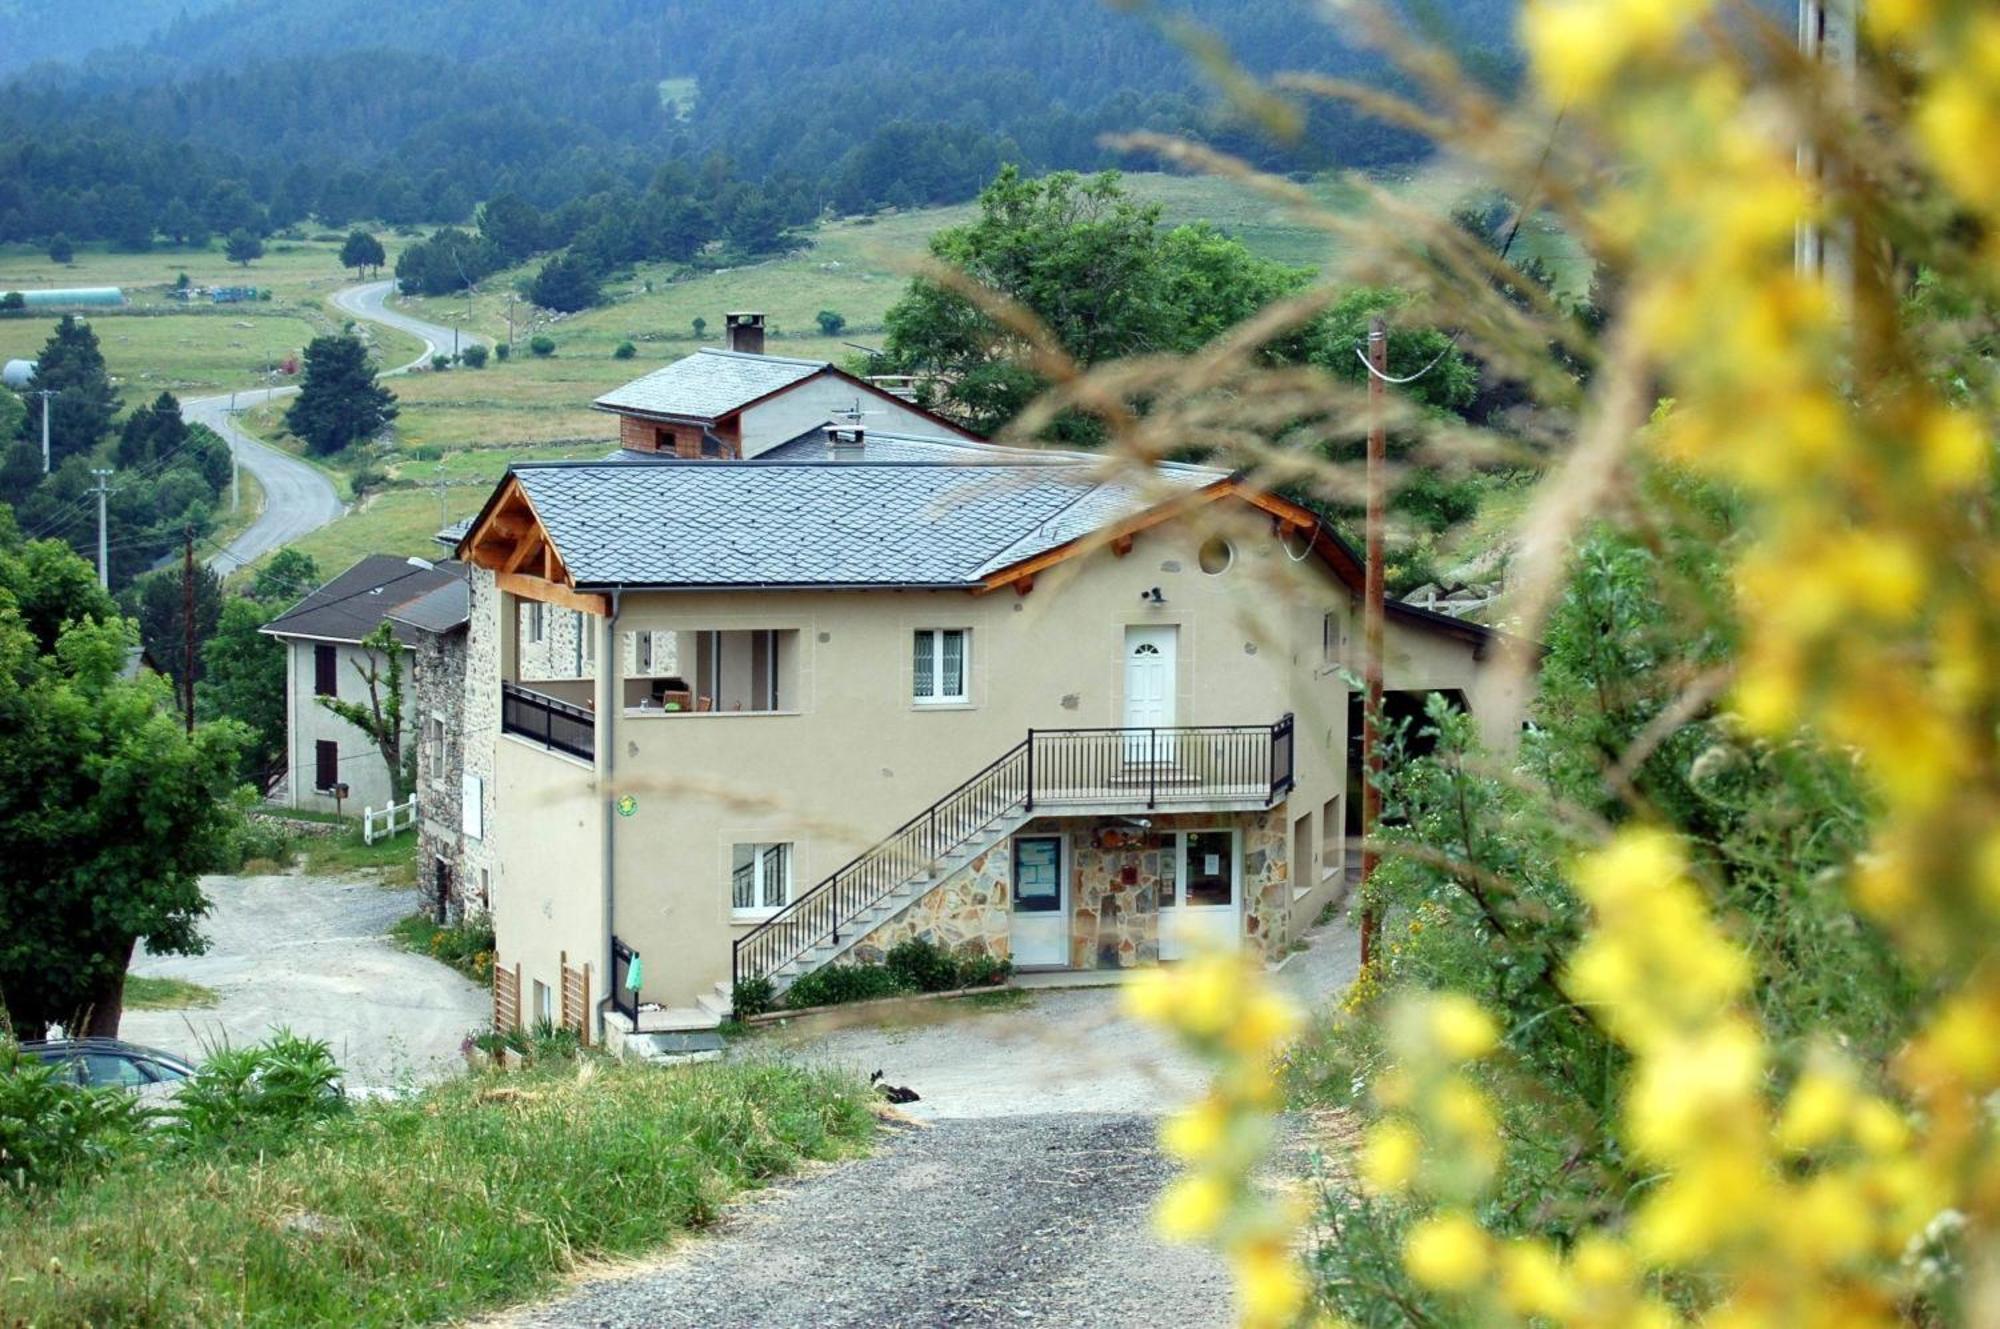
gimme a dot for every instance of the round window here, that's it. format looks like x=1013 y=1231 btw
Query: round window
x=1216 y=555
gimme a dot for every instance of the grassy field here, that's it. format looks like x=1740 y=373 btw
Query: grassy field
x=192 y=354
x=483 y=1191
x=164 y=994
x=458 y=430
x=857 y=267
x=156 y=343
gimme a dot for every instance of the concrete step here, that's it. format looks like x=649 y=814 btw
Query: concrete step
x=716 y=1004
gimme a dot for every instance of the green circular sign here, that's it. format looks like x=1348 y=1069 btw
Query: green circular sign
x=627 y=805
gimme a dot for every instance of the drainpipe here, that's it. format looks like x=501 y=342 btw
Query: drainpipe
x=608 y=669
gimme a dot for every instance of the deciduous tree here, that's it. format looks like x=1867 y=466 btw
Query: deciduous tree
x=109 y=810
x=381 y=717
x=243 y=679
x=286 y=579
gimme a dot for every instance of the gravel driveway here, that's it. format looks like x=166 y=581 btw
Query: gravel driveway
x=311 y=954
x=1021 y=1198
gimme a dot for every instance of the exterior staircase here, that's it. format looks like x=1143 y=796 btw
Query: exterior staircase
x=1074 y=771
x=860 y=926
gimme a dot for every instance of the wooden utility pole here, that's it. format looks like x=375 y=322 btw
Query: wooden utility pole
x=1371 y=628
x=187 y=613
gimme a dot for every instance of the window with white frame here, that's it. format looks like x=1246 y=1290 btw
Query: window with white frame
x=760 y=879
x=536 y=626
x=586 y=646
x=943 y=659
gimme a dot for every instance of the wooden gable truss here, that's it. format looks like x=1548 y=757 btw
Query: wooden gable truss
x=508 y=539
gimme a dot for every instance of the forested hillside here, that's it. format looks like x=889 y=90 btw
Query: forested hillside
x=351 y=108
x=32 y=31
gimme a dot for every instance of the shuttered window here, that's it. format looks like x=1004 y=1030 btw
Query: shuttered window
x=326 y=671
x=326 y=764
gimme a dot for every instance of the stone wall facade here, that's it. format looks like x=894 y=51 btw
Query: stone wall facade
x=968 y=914
x=1116 y=873
x=563 y=649
x=438 y=693
x=479 y=731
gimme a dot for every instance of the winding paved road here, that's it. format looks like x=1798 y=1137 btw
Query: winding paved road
x=298 y=497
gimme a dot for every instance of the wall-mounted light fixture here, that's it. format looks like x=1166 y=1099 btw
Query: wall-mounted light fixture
x=1152 y=597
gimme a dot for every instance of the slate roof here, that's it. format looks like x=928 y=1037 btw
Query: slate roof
x=709 y=384
x=354 y=604
x=881 y=445
x=847 y=524
x=445 y=608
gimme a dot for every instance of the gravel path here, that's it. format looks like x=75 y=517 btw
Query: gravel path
x=1020 y=1222
x=311 y=954
x=1022 y=1197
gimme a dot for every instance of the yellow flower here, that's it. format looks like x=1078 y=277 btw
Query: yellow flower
x=1879 y=1128
x=1192 y=1208
x=1195 y=1133
x=1389 y=1158
x=1269 y=1287
x=1532 y=1281
x=1265 y=1021
x=1817 y=1110
x=1151 y=996
x=1600 y=1262
x=1690 y=1088
x=1955 y=450
x=1447 y=1252
x=1461 y=1029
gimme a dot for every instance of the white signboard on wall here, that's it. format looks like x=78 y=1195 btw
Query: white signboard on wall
x=472 y=802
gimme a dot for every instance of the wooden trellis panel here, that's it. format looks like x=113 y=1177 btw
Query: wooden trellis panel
x=506 y=996
x=576 y=999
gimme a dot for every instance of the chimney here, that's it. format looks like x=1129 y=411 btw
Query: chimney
x=744 y=332
x=846 y=443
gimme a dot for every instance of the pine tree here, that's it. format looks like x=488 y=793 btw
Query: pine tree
x=339 y=400
x=361 y=251
x=72 y=365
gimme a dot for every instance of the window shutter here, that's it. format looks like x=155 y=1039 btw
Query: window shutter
x=326 y=764
x=472 y=807
x=326 y=671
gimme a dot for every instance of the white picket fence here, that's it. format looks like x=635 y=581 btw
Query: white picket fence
x=396 y=817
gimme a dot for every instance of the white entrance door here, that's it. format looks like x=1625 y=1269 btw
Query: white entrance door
x=1204 y=909
x=1150 y=674
x=1040 y=932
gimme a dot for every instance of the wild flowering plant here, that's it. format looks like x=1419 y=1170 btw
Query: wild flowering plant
x=1849 y=410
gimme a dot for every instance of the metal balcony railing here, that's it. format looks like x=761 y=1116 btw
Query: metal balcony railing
x=550 y=721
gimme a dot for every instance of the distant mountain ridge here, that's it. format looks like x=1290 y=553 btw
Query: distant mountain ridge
x=33 y=31
x=382 y=108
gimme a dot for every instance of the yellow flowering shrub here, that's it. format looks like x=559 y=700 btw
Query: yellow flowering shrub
x=1762 y=1176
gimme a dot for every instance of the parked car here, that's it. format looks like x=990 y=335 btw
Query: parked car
x=111 y=1062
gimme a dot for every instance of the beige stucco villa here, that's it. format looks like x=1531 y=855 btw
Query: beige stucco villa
x=746 y=717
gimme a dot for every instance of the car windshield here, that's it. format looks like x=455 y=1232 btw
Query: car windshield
x=115 y=1068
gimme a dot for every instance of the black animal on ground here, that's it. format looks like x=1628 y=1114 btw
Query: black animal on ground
x=894 y=1093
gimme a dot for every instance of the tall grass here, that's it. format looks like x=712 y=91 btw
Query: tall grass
x=478 y=1193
